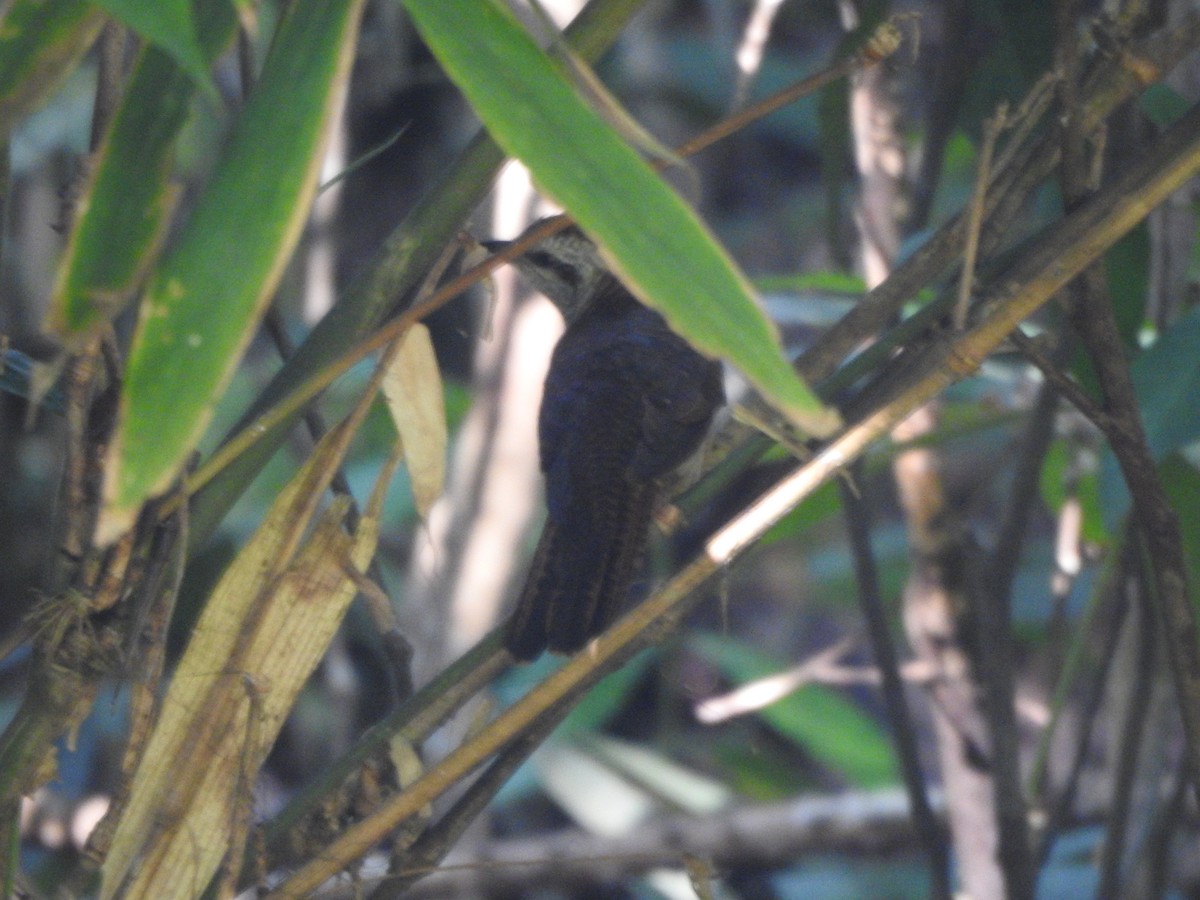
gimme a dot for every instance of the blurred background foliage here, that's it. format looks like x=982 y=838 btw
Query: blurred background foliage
x=668 y=741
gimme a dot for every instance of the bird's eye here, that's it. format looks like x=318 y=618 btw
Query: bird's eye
x=555 y=266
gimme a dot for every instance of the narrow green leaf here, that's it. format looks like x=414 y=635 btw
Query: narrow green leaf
x=1163 y=104
x=833 y=730
x=826 y=282
x=597 y=707
x=167 y=24
x=1127 y=268
x=1166 y=378
x=653 y=240
x=1181 y=480
x=1059 y=481
x=607 y=698
x=204 y=300
x=40 y=45
x=125 y=209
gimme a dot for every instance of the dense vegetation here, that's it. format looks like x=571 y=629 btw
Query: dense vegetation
x=923 y=621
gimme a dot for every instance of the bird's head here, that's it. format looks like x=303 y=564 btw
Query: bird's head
x=565 y=266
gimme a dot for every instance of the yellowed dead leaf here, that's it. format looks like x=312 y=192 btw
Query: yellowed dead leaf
x=413 y=390
x=262 y=632
x=243 y=709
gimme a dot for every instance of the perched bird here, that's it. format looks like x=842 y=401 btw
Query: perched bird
x=626 y=402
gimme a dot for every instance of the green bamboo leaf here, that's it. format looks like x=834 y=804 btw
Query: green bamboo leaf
x=1061 y=481
x=404 y=260
x=204 y=300
x=1167 y=380
x=1181 y=481
x=124 y=212
x=40 y=45
x=1127 y=270
x=652 y=239
x=168 y=24
x=1166 y=377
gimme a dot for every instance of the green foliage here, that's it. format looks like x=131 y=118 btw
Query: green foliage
x=1181 y=480
x=1166 y=378
x=40 y=44
x=821 y=282
x=1062 y=478
x=532 y=110
x=129 y=201
x=594 y=711
x=1127 y=266
x=1163 y=104
x=196 y=320
x=196 y=275
x=172 y=26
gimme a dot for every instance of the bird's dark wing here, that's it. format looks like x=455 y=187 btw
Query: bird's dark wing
x=681 y=389
x=597 y=519
x=626 y=402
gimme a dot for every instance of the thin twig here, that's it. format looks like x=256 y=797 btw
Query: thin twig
x=1125 y=771
x=762 y=692
x=983 y=175
x=1024 y=492
x=883 y=44
x=929 y=829
x=1071 y=391
x=749 y=53
x=1107 y=607
x=428 y=850
x=765 y=836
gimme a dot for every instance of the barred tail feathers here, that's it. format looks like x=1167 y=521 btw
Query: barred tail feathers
x=580 y=577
